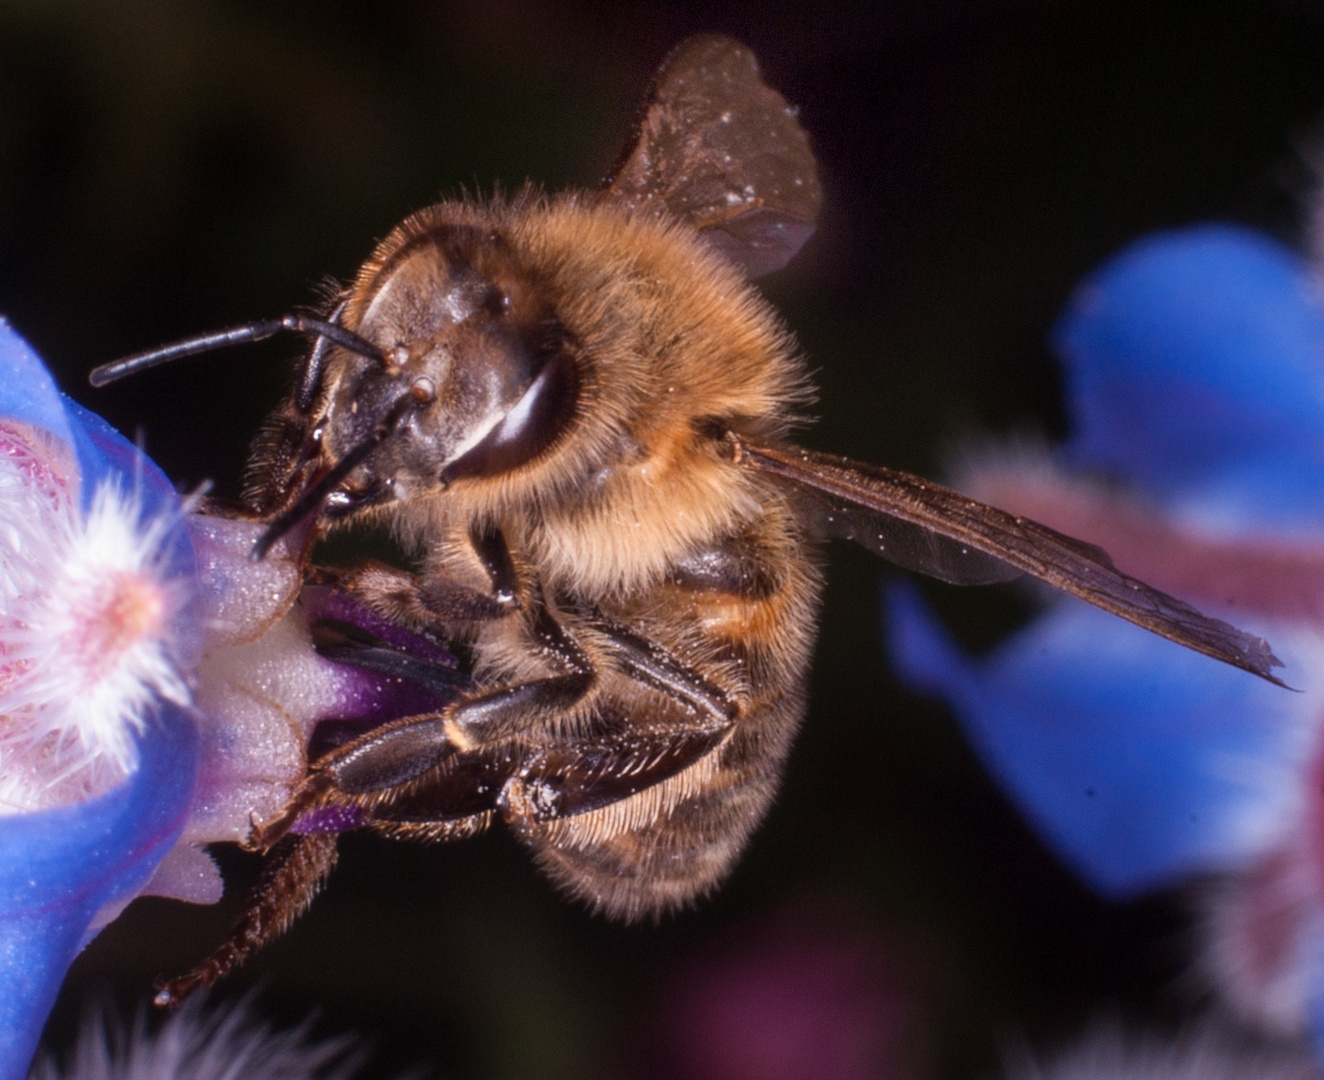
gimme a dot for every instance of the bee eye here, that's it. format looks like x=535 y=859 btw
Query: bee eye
x=423 y=390
x=540 y=415
x=495 y=301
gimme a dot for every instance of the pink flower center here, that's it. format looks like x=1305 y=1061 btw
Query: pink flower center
x=122 y=611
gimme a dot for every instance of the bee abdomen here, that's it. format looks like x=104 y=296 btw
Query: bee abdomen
x=750 y=610
x=672 y=844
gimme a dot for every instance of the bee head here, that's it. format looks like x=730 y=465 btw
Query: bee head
x=475 y=378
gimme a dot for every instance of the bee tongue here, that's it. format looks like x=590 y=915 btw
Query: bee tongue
x=309 y=504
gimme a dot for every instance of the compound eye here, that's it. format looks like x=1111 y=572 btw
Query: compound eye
x=543 y=411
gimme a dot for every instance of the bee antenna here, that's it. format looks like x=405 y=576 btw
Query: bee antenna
x=236 y=335
x=311 y=500
x=310 y=379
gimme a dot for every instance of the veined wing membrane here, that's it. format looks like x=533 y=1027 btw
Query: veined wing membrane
x=722 y=150
x=864 y=495
x=909 y=546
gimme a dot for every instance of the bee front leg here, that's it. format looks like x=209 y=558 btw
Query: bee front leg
x=401 y=597
x=445 y=775
x=291 y=877
x=382 y=764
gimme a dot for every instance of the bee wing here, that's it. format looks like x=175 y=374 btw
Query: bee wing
x=912 y=547
x=724 y=152
x=888 y=510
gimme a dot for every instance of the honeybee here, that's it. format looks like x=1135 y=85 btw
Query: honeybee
x=574 y=410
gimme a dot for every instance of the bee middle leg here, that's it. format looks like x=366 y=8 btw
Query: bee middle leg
x=390 y=763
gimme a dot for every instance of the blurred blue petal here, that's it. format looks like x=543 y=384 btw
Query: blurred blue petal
x=59 y=867
x=1138 y=760
x=1195 y=365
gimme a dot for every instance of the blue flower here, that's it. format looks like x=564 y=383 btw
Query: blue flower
x=158 y=688
x=98 y=748
x=1195 y=377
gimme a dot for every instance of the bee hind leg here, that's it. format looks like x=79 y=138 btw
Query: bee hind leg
x=383 y=764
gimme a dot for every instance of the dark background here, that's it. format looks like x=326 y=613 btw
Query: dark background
x=167 y=168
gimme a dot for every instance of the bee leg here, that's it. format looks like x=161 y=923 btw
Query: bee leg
x=651 y=664
x=403 y=751
x=290 y=878
x=437 y=598
x=364 y=771
x=567 y=777
x=392 y=763
x=490 y=546
x=511 y=712
x=402 y=598
x=388 y=756
x=398 y=753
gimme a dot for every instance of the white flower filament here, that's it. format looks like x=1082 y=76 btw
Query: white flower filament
x=87 y=617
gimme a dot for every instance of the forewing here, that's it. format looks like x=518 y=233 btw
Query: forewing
x=910 y=546
x=863 y=496
x=725 y=152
